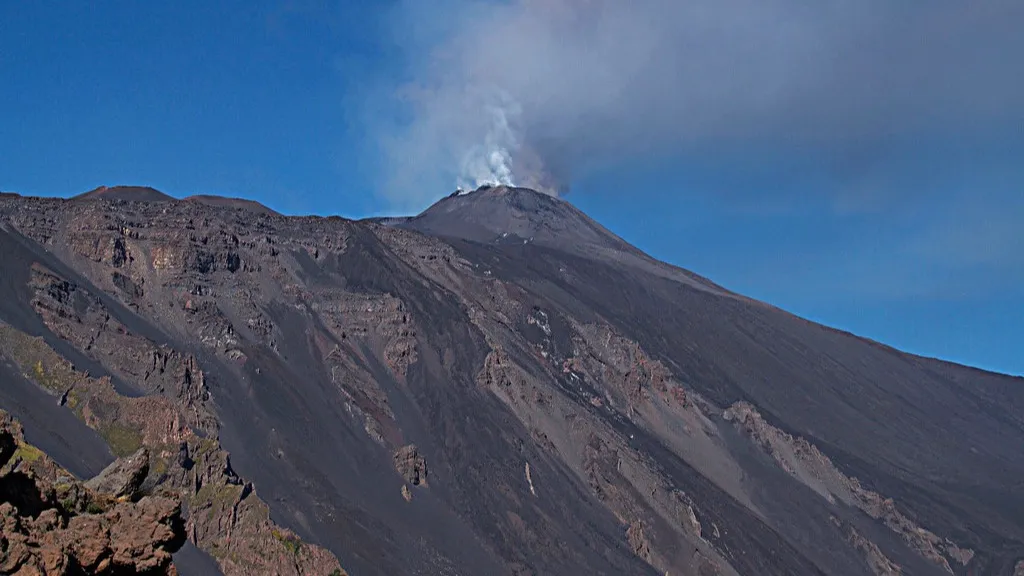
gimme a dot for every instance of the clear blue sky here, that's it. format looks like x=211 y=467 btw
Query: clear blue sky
x=271 y=103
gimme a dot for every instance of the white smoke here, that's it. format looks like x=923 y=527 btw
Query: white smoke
x=537 y=92
x=491 y=161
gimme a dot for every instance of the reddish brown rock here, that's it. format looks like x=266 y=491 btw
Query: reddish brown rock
x=227 y=519
x=41 y=536
x=637 y=541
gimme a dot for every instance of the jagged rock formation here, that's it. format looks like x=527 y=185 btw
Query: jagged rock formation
x=580 y=408
x=226 y=518
x=807 y=464
x=52 y=524
x=123 y=478
x=411 y=465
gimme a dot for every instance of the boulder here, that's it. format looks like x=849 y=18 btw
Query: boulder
x=123 y=478
x=411 y=465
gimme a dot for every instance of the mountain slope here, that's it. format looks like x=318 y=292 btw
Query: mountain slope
x=507 y=215
x=433 y=396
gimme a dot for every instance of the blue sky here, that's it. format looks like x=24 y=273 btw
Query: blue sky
x=908 y=234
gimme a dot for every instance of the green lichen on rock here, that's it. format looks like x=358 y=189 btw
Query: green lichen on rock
x=216 y=495
x=28 y=453
x=23 y=452
x=158 y=467
x=291 y=542
x=37 y=360
x=123 y=441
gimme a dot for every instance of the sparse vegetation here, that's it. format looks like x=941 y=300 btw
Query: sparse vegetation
x=28 y=453
x=75 y=402
x=158 y=467
x=220 y=495
x=123 y=441
x=37 y=360
x=23 y=452
x=290 y=541
x=215 y=551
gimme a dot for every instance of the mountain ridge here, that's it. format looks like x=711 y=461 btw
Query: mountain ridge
x=132 y=193
x=126 y=193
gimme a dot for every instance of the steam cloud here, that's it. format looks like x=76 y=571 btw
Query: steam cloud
x=539 y=92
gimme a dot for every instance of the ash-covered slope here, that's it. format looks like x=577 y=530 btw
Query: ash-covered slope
x=507 y=215
x=433 y=396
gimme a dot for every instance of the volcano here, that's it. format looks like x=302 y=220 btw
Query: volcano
x=498 y=385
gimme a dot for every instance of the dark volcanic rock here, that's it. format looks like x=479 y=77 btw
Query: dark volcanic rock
x=411 y=465
x=583 y=408
x=124 y=477
x=508 y=216
x=512 y=215
x=7 y=445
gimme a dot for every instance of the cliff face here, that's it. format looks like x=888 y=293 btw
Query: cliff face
x=497 y=386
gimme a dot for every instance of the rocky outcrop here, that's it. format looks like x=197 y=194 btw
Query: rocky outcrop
x=124 y=477
x=877 y=561
x=622 y=366
x=129 y=538
x=411 y=465
x=637 y=541
x=805 y=462
x=126 y=423
x=81 y=318
x=228 y=520
x=8 y=445
x=52 y=524
x=161 y=453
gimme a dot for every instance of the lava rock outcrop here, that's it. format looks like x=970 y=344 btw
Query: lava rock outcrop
x=52 y=524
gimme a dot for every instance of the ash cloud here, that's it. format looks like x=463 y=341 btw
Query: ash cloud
x=542 y=92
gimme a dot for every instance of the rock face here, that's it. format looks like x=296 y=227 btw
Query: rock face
x=496 y=386
x=227 y=519
x=411 y=465
x=806 y=463
x=51 y=524
x=124 y=477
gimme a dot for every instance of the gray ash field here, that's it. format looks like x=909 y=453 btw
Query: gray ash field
x=496 y=386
